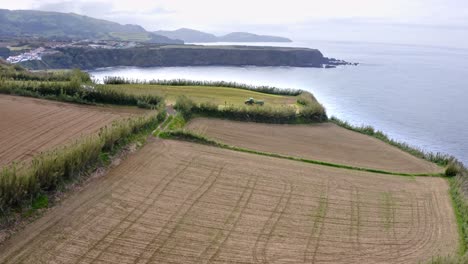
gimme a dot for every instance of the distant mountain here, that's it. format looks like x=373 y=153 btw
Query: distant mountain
x=249 y=37
x=188 y=35
x=191 y=35
x=72 y=26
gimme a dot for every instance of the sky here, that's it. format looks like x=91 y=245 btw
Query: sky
x=427 y=22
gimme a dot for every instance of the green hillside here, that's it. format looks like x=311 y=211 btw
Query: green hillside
x=61 y=25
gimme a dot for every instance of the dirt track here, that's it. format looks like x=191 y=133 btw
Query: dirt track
x=29 y=126
x=178 y=202
x=324 y=142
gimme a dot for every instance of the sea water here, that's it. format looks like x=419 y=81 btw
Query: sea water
x=415 y=94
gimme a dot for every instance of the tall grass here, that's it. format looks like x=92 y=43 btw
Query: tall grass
x=20 y=184
x=459 y=194
x=75 y=91
x=16 y=72
x=184 y=82
x=264 y=114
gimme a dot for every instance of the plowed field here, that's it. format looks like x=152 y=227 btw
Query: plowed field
x=29 y=126
x=324 y=142
x=178 y=202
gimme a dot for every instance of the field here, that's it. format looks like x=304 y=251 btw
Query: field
x=178 y=202
x=203 y=94
x=29 y=126
x=325 y=142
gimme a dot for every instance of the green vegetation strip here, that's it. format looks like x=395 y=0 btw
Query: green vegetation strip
x=458 y=193
x=193 y=137
x=68 y=86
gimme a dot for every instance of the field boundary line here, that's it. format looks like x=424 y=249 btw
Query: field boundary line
x=196 y=138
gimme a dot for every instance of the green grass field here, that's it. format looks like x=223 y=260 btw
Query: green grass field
x=201 y=94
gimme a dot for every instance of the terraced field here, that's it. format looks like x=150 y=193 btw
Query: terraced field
x=178 y=202
x=325 y=142
x=29 y=126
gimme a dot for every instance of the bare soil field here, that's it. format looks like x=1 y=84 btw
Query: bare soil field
x=179 y=202
x=325 y=142
x=29 y=126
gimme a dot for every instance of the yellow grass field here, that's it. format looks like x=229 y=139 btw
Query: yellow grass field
x=203 y=94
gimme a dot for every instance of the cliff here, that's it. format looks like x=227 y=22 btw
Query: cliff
x=182 y=55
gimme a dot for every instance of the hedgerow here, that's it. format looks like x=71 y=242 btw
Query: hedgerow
x=264 y=114
x=184 y=82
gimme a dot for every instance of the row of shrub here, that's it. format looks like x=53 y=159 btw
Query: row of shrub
x=184 y=82
x=264 y=114
x=459 y=194
x=20 y=184
x=16 y=72
x=75 y=91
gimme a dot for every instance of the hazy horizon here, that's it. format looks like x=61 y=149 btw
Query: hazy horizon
x=432 y=23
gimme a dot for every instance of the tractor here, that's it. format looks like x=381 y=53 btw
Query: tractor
x=252 y=101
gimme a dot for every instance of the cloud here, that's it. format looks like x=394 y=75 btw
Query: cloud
x=317 y=19
x=88 y=8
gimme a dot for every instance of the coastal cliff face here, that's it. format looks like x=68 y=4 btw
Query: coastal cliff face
x=180 y=55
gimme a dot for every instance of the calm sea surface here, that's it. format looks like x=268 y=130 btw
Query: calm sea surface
x=415 y=94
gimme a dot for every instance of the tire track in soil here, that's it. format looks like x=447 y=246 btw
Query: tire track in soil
x=420 y=219
x=264 y=234
x=53 y=137
x=49 y=127
x=355 y=218
x=144 y=205
x=89 y=218
x=234 y=225
x=319 y=222
x=208 y=183
x=227 y=221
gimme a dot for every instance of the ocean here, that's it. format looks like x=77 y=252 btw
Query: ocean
x=415 y=94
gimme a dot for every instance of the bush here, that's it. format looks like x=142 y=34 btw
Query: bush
x=313 y=113
x=452 y=169
x=184 y=105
